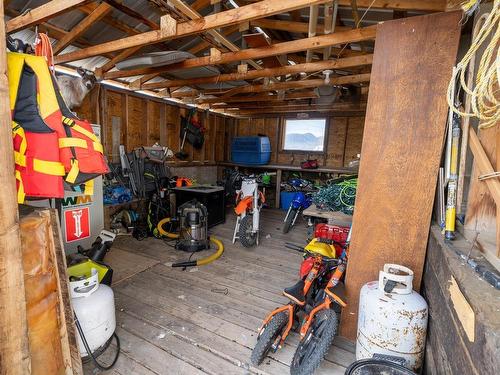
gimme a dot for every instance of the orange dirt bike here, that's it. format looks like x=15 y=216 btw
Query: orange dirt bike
x=315 y=303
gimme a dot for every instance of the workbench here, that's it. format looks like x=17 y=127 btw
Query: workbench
x=333 y=217
x=279 y=168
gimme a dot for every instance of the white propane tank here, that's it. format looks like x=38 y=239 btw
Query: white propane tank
x=94 y=306
x=393 y=322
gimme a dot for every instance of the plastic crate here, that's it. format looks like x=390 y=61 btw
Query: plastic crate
x=250 y=150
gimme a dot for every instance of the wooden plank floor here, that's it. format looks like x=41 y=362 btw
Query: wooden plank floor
x=204 y=320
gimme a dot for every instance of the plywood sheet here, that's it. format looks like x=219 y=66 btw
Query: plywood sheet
x=402 y=141
x=154 y=122
x=336 y=141
x=136 y=122
x=354 y=138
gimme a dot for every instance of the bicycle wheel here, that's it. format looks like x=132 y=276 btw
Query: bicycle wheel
x=271 y=331
x=315 y=344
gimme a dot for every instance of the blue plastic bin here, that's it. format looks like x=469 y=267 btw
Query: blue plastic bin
x=286 y=198
x=250 y=150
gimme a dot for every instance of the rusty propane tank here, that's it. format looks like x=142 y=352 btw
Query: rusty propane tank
x=392 y=318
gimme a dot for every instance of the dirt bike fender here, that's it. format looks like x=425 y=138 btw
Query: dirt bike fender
x=244 y=205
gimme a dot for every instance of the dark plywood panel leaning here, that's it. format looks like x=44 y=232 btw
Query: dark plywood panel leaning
x=403 y=136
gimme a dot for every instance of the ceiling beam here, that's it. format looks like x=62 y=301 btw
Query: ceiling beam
x=110 y=20
x=309 y=94
x=194 y=15
x=423 y=5
x=291 y=26
x=82 y=26
x=321 y=41
x=335 y=107
x=41 y=14
x=310 y=83
x=204 y=44
x=132 y=13
x=230 y=17
x=268 y=72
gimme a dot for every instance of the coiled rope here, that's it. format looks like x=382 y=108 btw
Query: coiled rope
x=485 y=97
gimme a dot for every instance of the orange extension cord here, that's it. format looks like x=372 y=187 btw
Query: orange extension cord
x=44 y=48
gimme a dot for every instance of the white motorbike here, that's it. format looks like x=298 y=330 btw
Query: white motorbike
x=249 y=201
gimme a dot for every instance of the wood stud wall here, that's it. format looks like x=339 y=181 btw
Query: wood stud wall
x=343 y=140
x=143 y=121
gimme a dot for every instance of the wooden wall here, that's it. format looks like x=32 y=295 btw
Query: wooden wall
x=343 y=140
x=134 y=120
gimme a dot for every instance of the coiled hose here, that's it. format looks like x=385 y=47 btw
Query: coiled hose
x=163 y=232
x=206 y=260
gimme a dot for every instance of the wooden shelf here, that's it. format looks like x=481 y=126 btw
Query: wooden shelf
x=293 y=168
x=279 y=168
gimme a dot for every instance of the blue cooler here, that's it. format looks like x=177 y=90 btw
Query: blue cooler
x=250 y=150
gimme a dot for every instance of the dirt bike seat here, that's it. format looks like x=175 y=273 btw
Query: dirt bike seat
x=296 y=293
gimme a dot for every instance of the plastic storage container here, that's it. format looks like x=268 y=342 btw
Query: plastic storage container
x=251 y=150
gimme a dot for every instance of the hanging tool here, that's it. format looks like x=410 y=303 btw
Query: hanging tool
x=182 y=155
x=451 y=202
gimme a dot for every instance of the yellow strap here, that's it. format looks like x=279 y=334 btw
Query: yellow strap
x=20 y=189
x=53 y=168
x=72 y=142
x=89 y=188
x=98 y=147
x=71 y=123
x=19 y=159
x=73 y=173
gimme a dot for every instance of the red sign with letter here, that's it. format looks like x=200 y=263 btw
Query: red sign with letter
x=77 y=222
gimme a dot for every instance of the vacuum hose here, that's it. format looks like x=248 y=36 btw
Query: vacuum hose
x=206 y=260
x=163 y=232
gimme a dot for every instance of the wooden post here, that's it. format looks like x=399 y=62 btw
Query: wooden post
x=14 y=351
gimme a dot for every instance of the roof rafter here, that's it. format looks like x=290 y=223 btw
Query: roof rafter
x=97 y=14
x=291 y=26
x=310 y=83
x=229 y=17
x=41 y=14
x=308 y=94
x=268 y=72
x=321 y=41
x=424 y=5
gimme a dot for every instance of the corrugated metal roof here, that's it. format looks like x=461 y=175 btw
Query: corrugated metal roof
x=103 y=31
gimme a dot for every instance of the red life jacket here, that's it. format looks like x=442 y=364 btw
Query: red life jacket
x=51 y=145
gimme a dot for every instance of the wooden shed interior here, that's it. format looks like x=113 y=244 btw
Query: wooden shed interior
x=378 y=121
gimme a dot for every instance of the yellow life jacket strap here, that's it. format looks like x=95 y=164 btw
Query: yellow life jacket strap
x=72 y=124
x=54 y=168
x=98 y=147
x=89 y=187
x=73 y=172
x=95 y=141
x=19 y=159
x=72 y=142
x=20 y=189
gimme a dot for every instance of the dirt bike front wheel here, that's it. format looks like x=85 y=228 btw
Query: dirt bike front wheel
x=315 y=344
x=271 y=331
x=289 y=220
x=248 y=237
